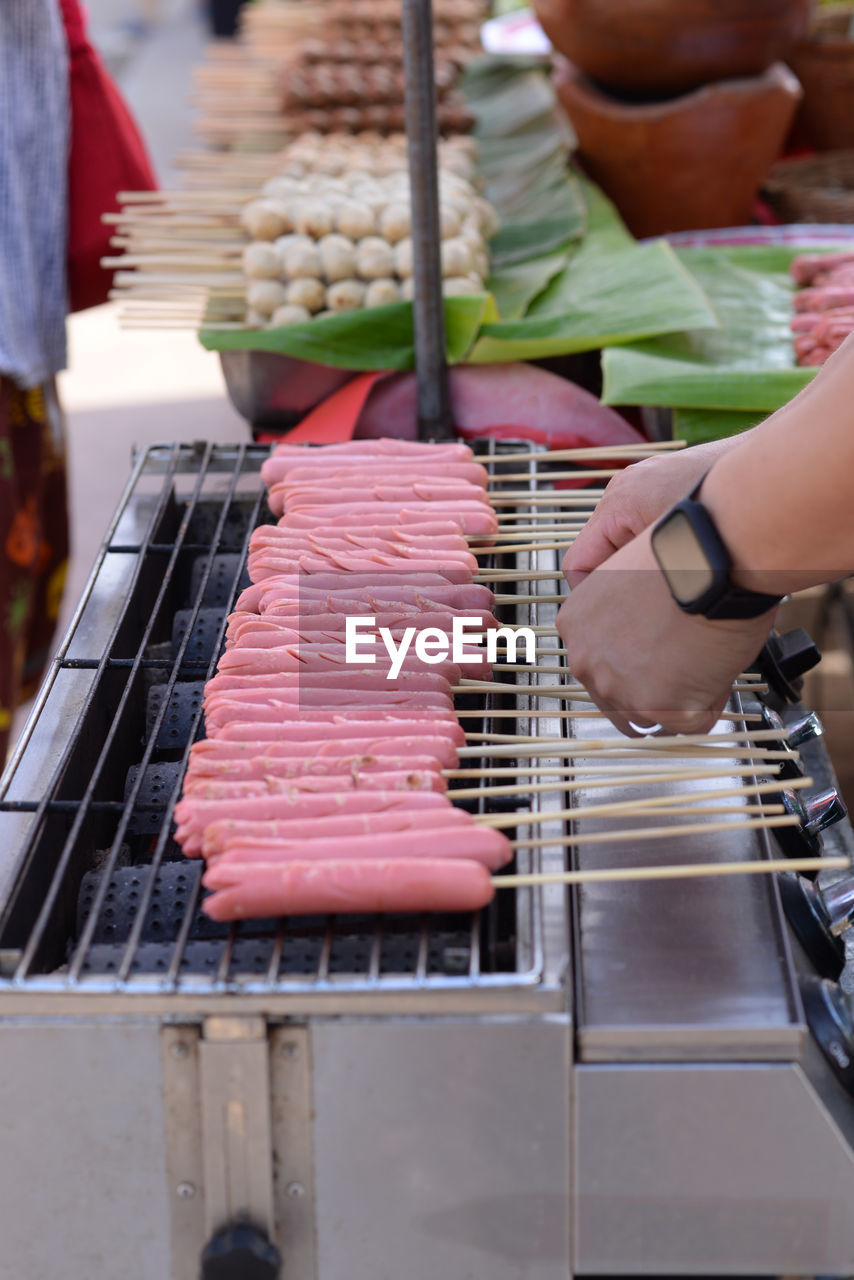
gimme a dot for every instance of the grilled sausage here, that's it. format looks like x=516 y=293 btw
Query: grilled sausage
x=193 y=815
x=231 y=712
x=474 y=518
x=356 y=471
x=298 y=497
x=317 y=658
x=286 y=457
x=228 y=834
x=326 y=740
x=348 y=681
x=374 y=886
x=472 y=598
x=270 y=785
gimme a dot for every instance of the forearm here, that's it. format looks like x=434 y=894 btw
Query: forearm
x=783 y=495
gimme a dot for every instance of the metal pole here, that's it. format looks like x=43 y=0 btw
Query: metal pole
x=434 y=410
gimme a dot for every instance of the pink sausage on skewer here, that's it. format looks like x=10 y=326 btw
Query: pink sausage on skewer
x=330 y=700
x=347 y=580
x=384 y=526
x=192 y=815
x=260 y=767
x=268 y=563
x=297 y=497
x=414 y=780
x=316 y=658
x=346 y=681
x=404 y=738
x=374 y=886
x=377 y=538
x=473 y=597
x=356 y=472
x=227 y=712
x=219 y=835
x=286 y=456
x=481 y=844
x=224 y=749
x=476 y=519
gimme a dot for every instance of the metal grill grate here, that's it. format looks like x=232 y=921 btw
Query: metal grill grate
x=97 y=896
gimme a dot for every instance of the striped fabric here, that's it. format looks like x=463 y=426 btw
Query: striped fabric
x=34 y=125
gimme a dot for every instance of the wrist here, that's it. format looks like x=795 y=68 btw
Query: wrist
x=697 y=566
x=754 y=547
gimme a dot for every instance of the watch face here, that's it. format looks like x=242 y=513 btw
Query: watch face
x=683 y=561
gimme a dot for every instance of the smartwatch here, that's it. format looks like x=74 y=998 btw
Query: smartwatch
x=696 y=564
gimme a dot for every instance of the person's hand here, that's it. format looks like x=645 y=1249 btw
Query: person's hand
x=645 y=662
x=633 y=500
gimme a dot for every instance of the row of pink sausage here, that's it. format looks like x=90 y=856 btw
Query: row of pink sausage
x=320 y=786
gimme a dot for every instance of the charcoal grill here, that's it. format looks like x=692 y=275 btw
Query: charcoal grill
x=619 y=1081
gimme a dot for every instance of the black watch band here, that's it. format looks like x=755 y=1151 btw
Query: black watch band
x=717 y=598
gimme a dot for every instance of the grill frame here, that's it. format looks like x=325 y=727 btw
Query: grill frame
x=541 y=944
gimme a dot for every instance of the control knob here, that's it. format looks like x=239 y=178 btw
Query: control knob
x=829 y=1019
x=783 y=660
x=792 y=735
x=814 y=816
x=240 y=1252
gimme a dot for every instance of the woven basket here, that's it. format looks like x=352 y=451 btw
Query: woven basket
x=818 y=189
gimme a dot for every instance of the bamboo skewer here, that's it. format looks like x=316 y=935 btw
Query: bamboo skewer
x=583 y=746
x=518 y=575
x=678 y=871
x=524 y=547
x=559 y=749
x=522 y=714
x=579 y=781
x=552 y=516
x=592 y=452
x=561 y=690
x=548 y=477
x=619 y=808
x=523 y=599
x=660 y=833
x=601 y=775
x=560 y=498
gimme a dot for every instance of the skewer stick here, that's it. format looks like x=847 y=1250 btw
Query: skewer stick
x=584 y=783
x=583 y=745
x=523 y=498
x=583 y=497
x=525 y=546
x=518 y=713
x=548 y=477
x=523 y=599
x=755 y=686
x=520 y=575
x=520 y=534
x=531 y=750
x=679 y=871
x=592 y=452
x=602 y=775
x=663 y=833
x=618 y=808
x=536 y=690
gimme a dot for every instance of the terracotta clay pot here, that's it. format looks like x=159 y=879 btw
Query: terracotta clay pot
x=658 y=47
x=824 y=64
x=687 y=163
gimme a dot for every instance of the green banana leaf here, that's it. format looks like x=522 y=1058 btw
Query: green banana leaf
x=746 y=365
x=524 y=144
x=381 y=338
x=612 y=290
x=515 y=287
